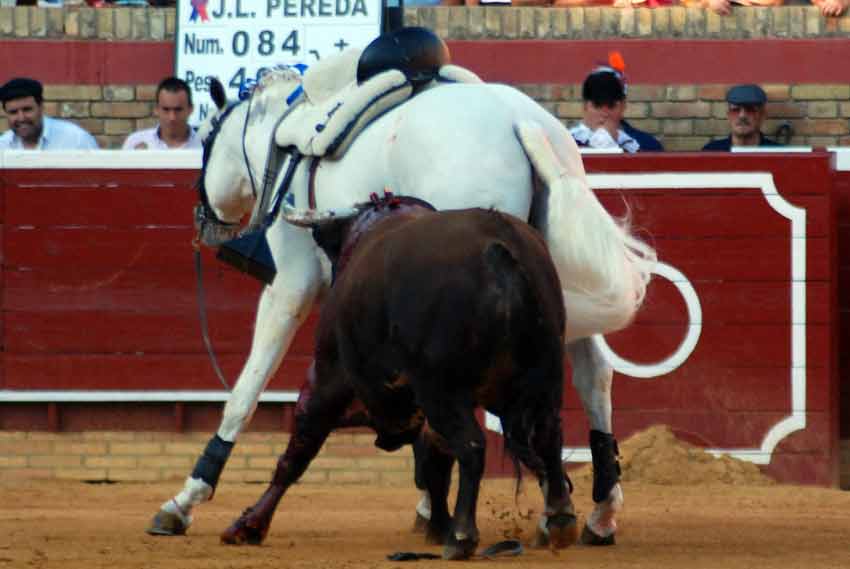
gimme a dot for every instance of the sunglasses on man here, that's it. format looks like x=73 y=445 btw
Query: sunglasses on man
x=748 y=109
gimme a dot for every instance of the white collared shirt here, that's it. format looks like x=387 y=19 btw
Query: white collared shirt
x=600 y=138
x=56 y=134
x=148 y=139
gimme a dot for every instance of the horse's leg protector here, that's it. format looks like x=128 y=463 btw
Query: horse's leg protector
x=212 y=461
x=606 y=467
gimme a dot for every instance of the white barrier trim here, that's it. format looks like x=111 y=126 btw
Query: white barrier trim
x=842 y=157
x=771 y=149
x=124 y=396
x=177 y=159
x=588 y=150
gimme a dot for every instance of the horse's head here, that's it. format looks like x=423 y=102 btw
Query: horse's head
x=236 y=140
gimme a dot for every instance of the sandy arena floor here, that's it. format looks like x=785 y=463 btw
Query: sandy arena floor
x=79 y=526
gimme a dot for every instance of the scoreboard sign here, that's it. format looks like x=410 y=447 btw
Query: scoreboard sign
x=235 y=40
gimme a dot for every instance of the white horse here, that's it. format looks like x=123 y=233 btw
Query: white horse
x=455 y=146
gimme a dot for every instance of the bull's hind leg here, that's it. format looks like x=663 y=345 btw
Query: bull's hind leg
x=557 y=527
x=316 y=415
x=456 y=423
x=423 y=514
x=592 y=378
x=434 y=464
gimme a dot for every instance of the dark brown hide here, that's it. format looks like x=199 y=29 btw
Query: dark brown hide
x=434 y=315
x=460 y=300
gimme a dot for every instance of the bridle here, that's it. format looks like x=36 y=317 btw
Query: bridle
x=275 y=158
x=205 y=216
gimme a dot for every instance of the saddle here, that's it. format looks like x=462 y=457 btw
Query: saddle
x=340 y=96
x=336 y=108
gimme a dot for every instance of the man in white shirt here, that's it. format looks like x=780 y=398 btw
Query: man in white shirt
x=173 y=108
x=22 y=100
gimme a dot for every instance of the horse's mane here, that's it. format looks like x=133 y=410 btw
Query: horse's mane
x=271 y=80
x=280 y=74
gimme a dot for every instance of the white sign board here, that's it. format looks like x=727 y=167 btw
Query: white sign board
x=234 y=40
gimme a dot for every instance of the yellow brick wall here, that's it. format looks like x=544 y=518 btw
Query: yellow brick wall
x=98 y=456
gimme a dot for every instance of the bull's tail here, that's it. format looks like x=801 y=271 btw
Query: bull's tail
x=532 y=413
x=604 y=269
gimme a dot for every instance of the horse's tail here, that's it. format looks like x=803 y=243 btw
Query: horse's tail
x=604 y=269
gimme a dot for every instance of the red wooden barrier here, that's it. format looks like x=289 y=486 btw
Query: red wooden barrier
x=98 y=293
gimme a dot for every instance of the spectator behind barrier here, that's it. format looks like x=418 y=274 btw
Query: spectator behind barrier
x=746 y=113
x=31 y=129
x=173 y=107
x=832 y=7
x=827 y=7
x=604 y=104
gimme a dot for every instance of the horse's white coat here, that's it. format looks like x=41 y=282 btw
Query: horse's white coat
x=455 y=146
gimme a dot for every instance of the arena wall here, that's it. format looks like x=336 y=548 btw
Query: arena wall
x=100 y=67
x=735 y=349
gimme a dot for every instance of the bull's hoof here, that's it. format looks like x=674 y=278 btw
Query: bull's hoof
x=561 y=531
x=245 y=530
x=437 y=533
x=420 y=524
x=434 y=535
x=455 y=550
x=590 y=538
x=166 y=523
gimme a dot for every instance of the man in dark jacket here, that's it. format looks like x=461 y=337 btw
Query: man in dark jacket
x=604 y=104
x=746 y=113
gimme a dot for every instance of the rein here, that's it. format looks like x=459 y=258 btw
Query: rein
x=202 y=314
x=274 y=161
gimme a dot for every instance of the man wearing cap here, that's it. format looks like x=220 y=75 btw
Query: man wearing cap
x=746 y=113
x=604 y=105
x=22 y=100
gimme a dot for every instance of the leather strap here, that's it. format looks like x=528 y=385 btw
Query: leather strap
x=311 y=185
x=202 y=313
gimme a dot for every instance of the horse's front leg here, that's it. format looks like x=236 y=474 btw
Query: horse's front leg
x=592 y=378
x=283 y=307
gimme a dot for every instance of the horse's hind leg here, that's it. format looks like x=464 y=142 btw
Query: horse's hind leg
x=316 y=415
x=592 y=378
x=283 y=307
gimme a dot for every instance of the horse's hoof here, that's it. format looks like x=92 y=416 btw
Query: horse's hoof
x=590 y=538
x=455 y=550
x=166 y=523
x=420 y=524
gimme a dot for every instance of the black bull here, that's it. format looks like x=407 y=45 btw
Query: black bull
x=432 y=315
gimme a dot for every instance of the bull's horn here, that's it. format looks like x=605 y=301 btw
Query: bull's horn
x=310 y=217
